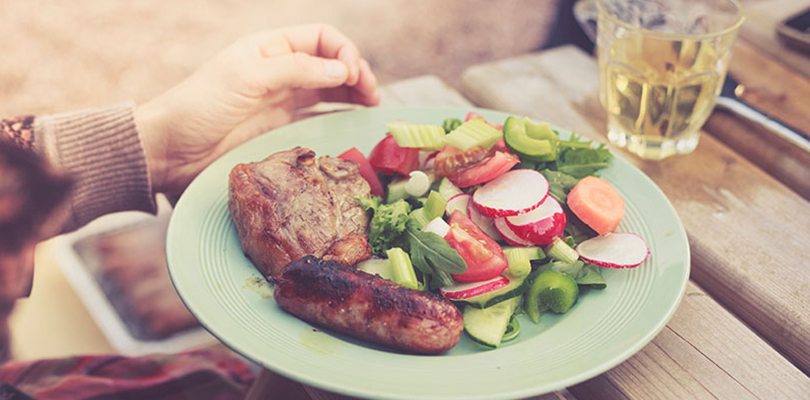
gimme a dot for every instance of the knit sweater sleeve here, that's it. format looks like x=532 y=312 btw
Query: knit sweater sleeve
x=100 y=148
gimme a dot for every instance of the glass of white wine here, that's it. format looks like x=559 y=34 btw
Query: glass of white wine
x=662 y=64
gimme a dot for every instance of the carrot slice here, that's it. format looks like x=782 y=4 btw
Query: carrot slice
x=597 y=204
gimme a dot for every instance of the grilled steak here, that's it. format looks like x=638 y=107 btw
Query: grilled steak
x=293 y=204
x=368 y=307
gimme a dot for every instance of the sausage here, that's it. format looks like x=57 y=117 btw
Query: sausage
x=368 y=307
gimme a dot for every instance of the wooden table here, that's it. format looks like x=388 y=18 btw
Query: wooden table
x=742 y=330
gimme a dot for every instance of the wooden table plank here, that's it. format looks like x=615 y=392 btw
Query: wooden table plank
x=780 y=92
x=736 y=217
x=760 y=29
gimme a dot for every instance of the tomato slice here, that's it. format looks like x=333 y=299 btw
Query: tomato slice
x=450 y=160
x=388 y=158
x=495 y=166
x=366 y=170
x=484 y=257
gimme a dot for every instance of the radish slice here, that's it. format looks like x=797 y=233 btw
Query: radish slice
x=509 y=236
x=438 y=226
x=614 y=250
x=486 y=224
x=458 y=202
x=515 y=192
x=463 y=291
x=541 y=225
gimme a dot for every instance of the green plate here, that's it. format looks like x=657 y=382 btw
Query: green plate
x=604 y=328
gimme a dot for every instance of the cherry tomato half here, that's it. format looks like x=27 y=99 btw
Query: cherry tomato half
x=484 y=257
x=389 y=158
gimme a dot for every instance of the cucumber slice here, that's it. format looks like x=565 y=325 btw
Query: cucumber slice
x=475 y=132
x=377 y=266
x=419 y=136
x=447 y=189
x=397 y=190
x=486 y=326
x=512 y=330
x=516 y=287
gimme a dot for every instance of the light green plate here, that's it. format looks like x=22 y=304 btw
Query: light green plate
x=603 y=329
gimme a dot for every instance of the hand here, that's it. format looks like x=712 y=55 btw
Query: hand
x=251 y=87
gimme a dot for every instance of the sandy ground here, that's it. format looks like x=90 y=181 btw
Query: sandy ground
x=60 y=56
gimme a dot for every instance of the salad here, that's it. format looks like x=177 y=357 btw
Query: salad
x=502 y=220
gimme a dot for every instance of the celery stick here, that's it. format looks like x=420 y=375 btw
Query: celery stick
x=474 y=132
x=518 y=259
x=402 y=268
x=419 y=217
x=435 y=205
x=419 y=136
x=559 y=250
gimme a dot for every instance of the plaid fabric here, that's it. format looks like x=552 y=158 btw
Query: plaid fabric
x=196 y=375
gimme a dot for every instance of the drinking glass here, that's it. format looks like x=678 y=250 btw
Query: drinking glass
x=661 y=68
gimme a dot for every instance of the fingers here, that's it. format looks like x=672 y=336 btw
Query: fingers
x=295 y=71
x=315 y=39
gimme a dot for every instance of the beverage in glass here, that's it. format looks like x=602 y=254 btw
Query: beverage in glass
x=662 y=66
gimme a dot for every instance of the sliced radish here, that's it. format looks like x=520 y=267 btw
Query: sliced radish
x=458 y=202
x=541 y=225
x=509 y=236
x=614 y=250
x=513 y=193
x=461 y=291
x=486 y=224
x=438 y=226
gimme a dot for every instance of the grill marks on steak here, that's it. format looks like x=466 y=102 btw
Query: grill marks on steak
x=292 y=204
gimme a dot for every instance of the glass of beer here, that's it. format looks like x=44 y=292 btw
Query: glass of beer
x=662 y=64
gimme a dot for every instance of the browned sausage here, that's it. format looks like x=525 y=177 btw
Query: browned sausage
x=368 y=307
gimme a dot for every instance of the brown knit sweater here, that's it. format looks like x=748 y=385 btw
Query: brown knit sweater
x=100 y=148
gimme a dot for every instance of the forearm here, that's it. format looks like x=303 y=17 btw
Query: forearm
x=100 y=149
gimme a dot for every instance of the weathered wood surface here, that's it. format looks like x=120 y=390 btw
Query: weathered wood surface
x=760 y=30
x=780 y=92
x=747 y=233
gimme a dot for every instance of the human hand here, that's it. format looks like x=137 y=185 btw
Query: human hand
x=251 y=87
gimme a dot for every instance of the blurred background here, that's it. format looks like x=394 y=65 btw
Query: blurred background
x=60 y=56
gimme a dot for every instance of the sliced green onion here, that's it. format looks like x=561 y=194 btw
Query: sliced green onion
x=418 y=184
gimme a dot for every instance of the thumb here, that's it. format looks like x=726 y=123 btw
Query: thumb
x=297 y=70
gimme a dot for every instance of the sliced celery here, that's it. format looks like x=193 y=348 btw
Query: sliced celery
x=518 y=259
x=559 y=250
x=474 y=132
x=419 y=136
x=419 y=217
x=402 y=268
x=435 y=205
